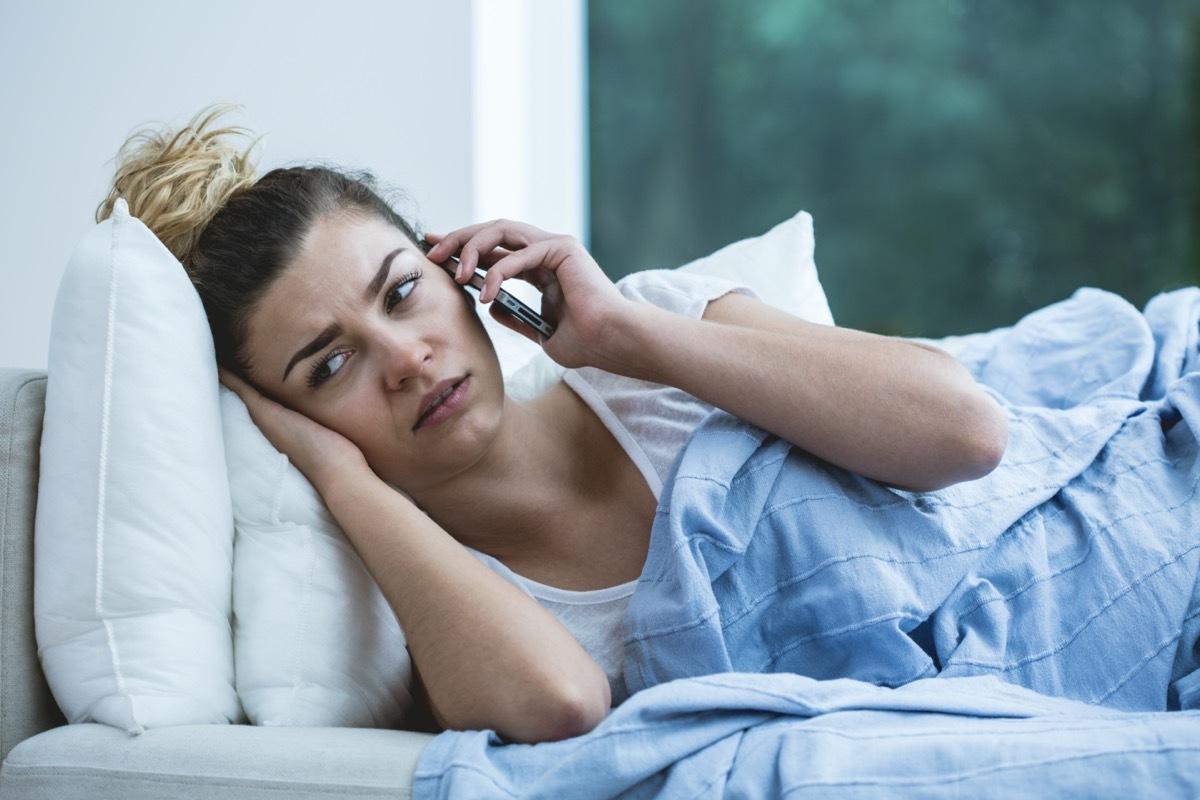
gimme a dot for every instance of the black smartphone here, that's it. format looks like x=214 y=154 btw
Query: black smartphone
x=511 y=304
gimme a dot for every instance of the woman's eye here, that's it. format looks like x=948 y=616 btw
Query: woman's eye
x=327 y=367
x=400 y=290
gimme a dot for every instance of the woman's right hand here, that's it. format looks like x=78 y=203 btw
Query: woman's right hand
x=315 y=450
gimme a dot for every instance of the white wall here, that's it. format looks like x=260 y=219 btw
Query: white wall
x=388 y=85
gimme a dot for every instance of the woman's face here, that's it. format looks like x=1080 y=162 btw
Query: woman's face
x=365 y=335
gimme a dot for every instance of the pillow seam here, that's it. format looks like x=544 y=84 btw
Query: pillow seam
x=304 y=611
x=281 y=463
x=101 y=489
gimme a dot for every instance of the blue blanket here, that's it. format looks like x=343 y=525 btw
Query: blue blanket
x=858 y=638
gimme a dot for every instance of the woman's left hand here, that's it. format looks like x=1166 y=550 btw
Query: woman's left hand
x=577 y=297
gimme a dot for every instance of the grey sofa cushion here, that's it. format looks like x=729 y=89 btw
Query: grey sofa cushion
x=26 y=705
x=208 y=761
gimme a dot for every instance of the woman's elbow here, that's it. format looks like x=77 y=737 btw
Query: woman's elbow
x=991 y=438
x=969 y=449
x=577 y=714
x=983 y=439
x=566 y=708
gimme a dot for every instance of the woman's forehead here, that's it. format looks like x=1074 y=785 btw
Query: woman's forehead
x=345 y=241
x=338 y=262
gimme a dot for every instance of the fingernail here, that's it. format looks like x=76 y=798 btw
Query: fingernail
x=458 y=272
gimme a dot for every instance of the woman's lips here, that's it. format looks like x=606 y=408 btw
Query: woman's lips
x=440 y=402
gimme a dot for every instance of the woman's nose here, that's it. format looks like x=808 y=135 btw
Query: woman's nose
x=402 y=357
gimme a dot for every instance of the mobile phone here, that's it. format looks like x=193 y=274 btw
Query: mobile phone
x=511 y=304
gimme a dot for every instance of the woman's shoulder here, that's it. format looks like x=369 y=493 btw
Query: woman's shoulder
x=679 y=291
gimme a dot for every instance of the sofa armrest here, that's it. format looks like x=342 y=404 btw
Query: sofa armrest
x=26 y=705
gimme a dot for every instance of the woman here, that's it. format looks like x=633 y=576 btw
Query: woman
x=362 y=359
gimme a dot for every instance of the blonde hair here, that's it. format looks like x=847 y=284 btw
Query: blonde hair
x=175 y=182
x=235 y=234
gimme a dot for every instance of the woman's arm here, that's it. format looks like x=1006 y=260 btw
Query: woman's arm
x=489 y=656
x=896 y=411
x=892 y=410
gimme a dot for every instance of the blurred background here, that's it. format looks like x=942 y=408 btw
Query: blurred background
x=965 y=161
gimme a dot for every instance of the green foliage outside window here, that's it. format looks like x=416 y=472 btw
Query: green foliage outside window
x=965 y=162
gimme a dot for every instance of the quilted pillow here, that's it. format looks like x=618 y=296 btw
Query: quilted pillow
x=134 y=534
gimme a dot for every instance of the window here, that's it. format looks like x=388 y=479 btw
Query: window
x=964 y=162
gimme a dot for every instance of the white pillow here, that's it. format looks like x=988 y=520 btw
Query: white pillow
x=315 y=642
x=778 y=266
x=134 y=533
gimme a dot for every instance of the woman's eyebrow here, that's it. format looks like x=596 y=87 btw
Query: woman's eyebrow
x=323 y=338
x=377 y=282
x=335 y=330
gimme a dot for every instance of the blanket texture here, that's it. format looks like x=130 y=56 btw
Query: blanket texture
x=967 y=623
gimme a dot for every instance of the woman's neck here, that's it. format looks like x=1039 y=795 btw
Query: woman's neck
x=540 y=467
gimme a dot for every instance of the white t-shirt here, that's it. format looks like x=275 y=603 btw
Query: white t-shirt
x=652 y=423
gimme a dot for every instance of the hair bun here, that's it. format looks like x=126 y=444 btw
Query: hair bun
x=176 y=181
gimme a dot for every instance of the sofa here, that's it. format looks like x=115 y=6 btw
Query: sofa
x=43 y=757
